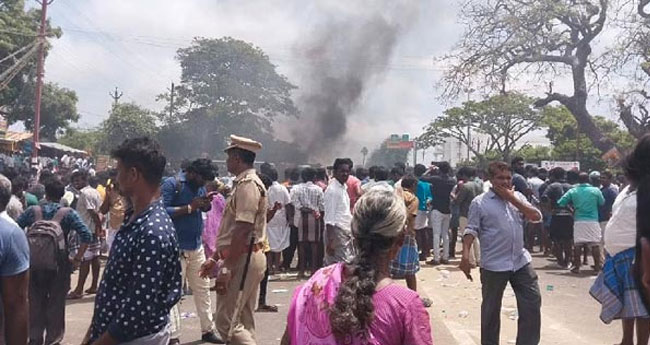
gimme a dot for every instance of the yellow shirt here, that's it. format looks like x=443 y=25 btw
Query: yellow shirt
x=412 y=203
x=102 y=191
x=246 y=203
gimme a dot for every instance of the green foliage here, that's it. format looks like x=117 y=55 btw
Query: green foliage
x=58 y=110
x=19 y=29
x=504 y=119
x=387 y=157
x=534 y=154
x=570 y=144
x=127 y=120
x=227 y=87
x=87 y=140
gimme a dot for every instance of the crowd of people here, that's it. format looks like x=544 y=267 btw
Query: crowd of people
x=354 y=231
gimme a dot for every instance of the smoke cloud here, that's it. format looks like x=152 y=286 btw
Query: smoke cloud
x=350 y=44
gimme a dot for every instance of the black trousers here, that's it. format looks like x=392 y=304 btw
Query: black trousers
x=263 y=286
x=289 y=252
x=47 y=292
x=529 y=302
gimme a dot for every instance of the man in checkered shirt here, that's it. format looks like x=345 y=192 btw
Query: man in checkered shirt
x=308 y=202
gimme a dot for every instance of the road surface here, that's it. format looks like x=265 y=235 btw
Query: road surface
x=569 y=313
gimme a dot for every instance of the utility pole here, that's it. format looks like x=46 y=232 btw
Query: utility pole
x=415 y=155
x=469 y=124
x=39 y=80
x=171 y=102
x=577 y=143
x=116 y=95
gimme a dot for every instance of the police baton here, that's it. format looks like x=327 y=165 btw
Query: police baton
x=235 y=318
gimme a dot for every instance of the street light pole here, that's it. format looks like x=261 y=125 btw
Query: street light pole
x=39 y=80
x=469 y=124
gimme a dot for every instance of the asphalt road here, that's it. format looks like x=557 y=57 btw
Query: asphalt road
x=569 y=313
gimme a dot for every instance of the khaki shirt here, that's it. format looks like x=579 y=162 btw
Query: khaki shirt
x=246 y=203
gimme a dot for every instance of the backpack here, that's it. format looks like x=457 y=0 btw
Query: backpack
x=47 y=241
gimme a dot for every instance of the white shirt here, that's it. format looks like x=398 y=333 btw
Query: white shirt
x=278 y=193
x=381 y=185
x=535 y=183
x=620 y=233
x=14 y=208
x=337 y=206
x=6 y=217
x=89 y=199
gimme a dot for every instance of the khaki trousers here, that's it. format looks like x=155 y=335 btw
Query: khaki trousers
x=475 y=253
x=244 y=332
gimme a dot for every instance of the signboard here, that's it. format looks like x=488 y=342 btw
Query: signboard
x=3 y=126
x=400 y=142
x=400 y=145
x=548 y=165
x=102 y=162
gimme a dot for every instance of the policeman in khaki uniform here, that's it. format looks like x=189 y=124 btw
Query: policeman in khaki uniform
x=244 y=216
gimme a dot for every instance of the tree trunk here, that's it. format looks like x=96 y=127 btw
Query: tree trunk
x=577 y=104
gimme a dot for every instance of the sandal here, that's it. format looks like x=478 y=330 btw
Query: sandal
x=73 y=295
x=267 y=309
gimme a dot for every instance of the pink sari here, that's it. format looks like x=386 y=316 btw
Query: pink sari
x=211 y=225
x=400 y=317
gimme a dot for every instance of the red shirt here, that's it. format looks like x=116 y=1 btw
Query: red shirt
x=354 y=190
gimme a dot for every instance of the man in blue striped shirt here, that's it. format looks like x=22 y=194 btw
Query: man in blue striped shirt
x=497 y=219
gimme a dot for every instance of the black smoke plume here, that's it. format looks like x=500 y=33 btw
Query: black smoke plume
x=342 y=55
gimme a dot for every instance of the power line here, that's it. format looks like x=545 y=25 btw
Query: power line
x=17 y=52
x=8 y=75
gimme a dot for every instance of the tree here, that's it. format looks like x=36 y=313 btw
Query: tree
x=19 y=29
x=87 y=140
x=631 y=60
x=570 y=144
x=504 y=39
x=364 y=153
x=58 y=110
x=534 y=154
x=387 y=157
x=503 y=119
x=126 y=121
x=227 y=86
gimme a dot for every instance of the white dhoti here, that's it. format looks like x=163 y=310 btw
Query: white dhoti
x=586 y=232
x=279 y=237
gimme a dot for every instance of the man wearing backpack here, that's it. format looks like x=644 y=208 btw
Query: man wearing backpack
x=185 y=198
x=49 y=285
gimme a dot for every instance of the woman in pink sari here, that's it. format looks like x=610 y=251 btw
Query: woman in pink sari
x=358 y=303
x=212 y=220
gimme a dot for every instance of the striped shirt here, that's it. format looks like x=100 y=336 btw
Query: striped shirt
x=307 y=195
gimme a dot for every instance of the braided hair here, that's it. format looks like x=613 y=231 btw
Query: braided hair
x=379 y=217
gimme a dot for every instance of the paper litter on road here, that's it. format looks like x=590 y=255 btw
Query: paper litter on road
x=187 y=315
x=279 y=290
